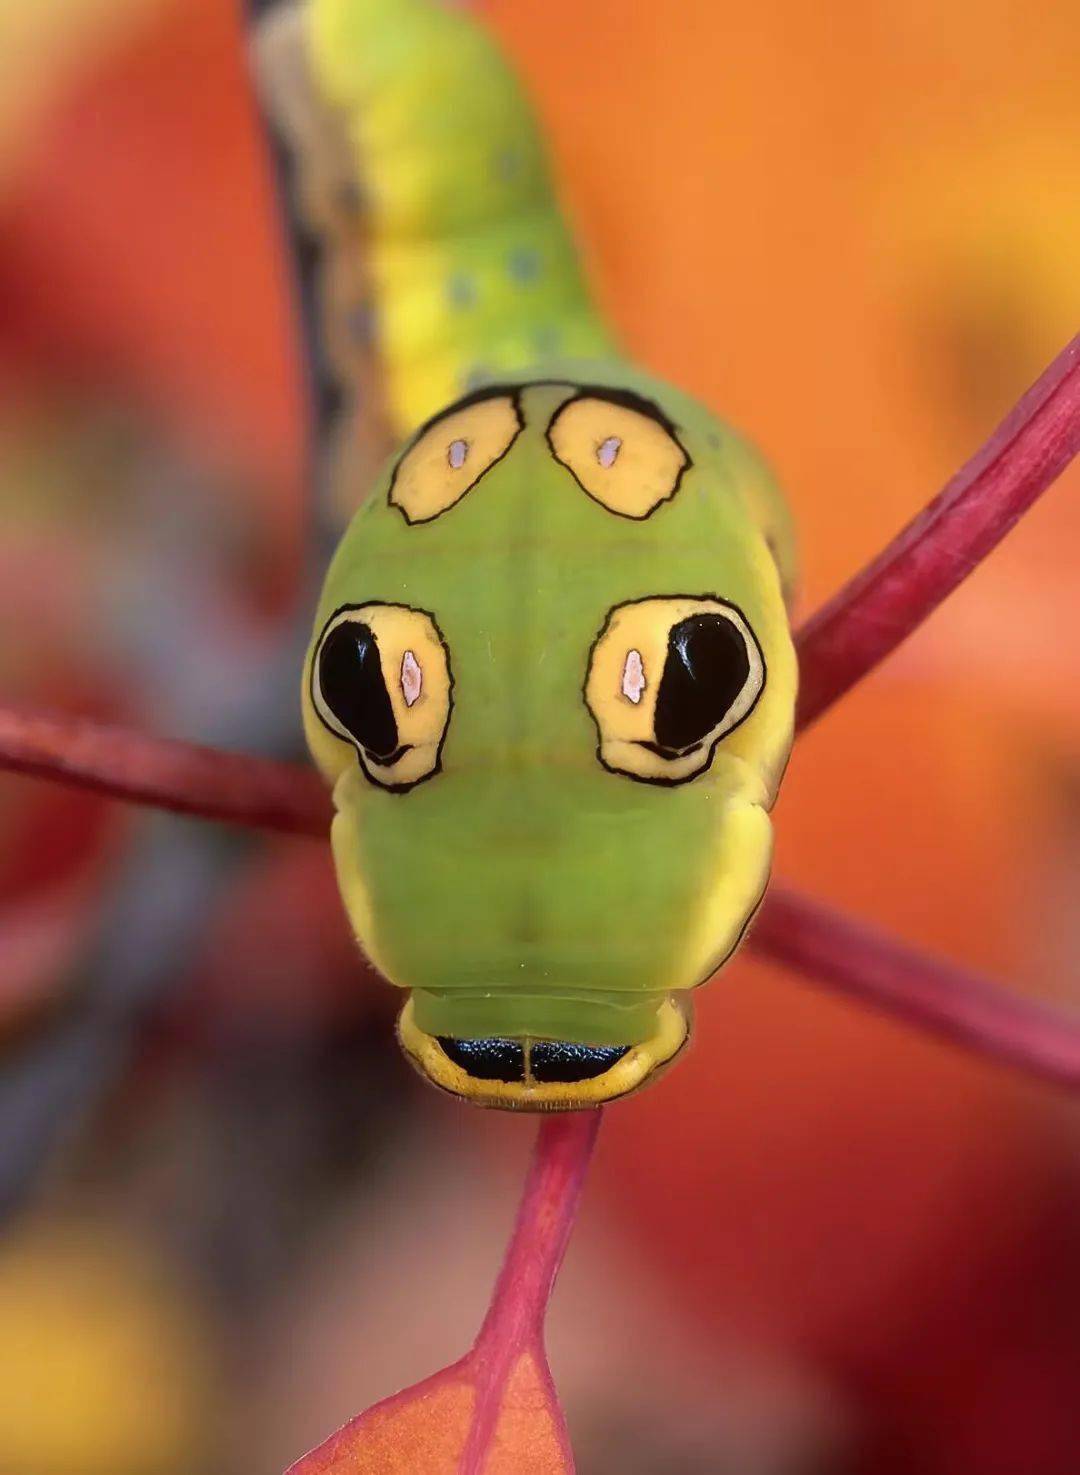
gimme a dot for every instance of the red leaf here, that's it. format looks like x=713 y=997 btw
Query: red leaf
x=495 y=1411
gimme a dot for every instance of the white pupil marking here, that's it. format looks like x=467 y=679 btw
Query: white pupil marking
x=633 y=676
x=607 y=451
x=457 y=453
x=412 y=678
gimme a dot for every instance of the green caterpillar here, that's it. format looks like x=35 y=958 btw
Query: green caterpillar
x=551 y=678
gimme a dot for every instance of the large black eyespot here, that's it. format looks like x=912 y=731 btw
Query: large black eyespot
x=354 y=689
x=670 y=676
x=380 y=681
x=706 y=668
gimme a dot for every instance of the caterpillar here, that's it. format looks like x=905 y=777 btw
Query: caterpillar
x=551 y=679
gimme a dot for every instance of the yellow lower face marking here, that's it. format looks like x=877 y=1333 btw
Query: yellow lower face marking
x=452 y=455
x=640 y=1063
x=734 y=889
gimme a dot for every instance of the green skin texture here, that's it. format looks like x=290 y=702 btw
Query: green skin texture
x=524 y=890
x=474 y=268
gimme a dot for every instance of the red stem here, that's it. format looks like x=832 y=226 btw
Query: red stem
x=849 y=635
x=882 y=605
x=545 y=1219
x=844 y=640
x=853 y=959
x=542 y=1229
x=184 y=777
x=801 y=933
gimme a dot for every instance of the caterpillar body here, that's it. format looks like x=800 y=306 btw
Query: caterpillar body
x=551 y=678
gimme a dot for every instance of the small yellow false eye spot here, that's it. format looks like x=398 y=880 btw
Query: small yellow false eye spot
x=628 y=461
x=668 y=678
x=380 y=681
x=451 y=455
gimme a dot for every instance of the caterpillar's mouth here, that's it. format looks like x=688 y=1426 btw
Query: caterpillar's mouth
x=526 y=1074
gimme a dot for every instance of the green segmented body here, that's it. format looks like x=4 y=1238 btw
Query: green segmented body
x=473 y=267
x=551 y=677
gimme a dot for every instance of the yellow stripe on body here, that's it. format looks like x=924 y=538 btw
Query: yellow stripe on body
x=473 y=267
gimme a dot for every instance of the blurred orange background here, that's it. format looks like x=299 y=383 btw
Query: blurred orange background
x=823 y=1243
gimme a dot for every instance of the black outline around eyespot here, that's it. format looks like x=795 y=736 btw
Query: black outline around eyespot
x=479 y=396
x=628 y=399
x=625 y=399
x=356 y=747
x=670 y=783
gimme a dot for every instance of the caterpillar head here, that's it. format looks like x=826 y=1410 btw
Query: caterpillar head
x=552 y=683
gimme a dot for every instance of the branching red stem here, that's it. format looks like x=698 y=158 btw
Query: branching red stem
x=515 y=1319
x=855 y=630
x=184 y=777
x=854 y=959
x=840 y=644
x=882 y=605
x=510 y=1343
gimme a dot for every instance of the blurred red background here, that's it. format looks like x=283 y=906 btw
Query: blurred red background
x=836 y=1245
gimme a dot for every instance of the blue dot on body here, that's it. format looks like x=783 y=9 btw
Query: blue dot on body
x=461 y=290
x=523 y=264
x=507 y=165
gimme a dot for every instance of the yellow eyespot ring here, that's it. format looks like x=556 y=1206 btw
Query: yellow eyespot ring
x=658 y=719
x=453 y=453
x=622 y=451
x=380 y=681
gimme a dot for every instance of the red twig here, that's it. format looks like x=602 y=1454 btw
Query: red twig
x=545 y=1218
x=856 y=960
x=801 y=933
x=160 y=771
x=545 y=1221
x=855 y=630
x=845 y=639
x=891 y=597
